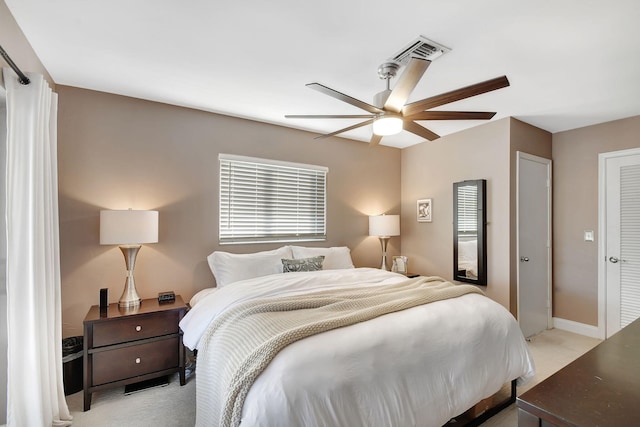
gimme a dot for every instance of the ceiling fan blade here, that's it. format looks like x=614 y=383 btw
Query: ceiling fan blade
x=328 y=116
x=420 y=130
x=375 y=140
x=356 y=126
x=406 y=84
x=455 y=95
x=451 y=115
x=345 y=98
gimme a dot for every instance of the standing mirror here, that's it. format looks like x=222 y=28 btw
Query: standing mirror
x=469 y=231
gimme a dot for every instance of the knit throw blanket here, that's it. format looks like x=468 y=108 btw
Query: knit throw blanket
x=241 y=342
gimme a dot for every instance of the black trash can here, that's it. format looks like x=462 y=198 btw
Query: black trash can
x=72 y=349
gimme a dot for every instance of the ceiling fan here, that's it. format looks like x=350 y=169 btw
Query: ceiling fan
x=390 y=113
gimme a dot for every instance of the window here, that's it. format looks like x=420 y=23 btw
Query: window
x=271 y=201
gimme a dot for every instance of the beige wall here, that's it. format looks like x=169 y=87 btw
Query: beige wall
x=16 y=45
x=430 y=169
x=532 y=140
x=575 y=209
x=116 y=153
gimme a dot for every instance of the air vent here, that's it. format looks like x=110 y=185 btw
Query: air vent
x=422 y=48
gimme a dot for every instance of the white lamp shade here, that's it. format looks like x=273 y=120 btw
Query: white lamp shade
x=128 y=227
x=384 y=225
x=388 y=125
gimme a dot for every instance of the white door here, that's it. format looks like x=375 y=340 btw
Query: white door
x=534 y=243
x=621 y=239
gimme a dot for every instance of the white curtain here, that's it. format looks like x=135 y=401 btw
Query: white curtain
x=34 y=384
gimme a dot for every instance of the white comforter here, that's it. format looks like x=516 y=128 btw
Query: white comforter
x=420 y=366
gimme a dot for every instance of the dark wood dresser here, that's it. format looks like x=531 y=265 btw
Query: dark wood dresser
x=601 y=388
x=126 y=346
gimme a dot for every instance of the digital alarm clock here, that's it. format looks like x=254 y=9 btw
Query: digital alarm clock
x=168 y=296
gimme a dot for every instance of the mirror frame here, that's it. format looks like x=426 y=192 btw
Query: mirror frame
x=481 y=185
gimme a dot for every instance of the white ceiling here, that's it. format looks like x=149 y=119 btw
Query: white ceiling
x=571 y=63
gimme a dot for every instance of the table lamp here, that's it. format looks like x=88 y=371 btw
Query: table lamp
x=129 y=229
x=384 y=226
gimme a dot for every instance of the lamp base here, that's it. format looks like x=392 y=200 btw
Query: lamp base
x=383 y=242
x=130 y=297
x=129 y=304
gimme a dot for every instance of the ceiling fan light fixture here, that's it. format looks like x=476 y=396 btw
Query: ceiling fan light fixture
x=387 y=125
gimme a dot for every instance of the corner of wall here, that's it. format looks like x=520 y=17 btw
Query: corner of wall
x=575 y=209
x=18 y=47
x=428 y=171
x=532 y=140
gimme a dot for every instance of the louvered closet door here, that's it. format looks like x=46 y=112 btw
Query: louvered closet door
x=622 y=241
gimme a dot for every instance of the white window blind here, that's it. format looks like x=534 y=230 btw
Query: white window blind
x=269 y=201
x=468 y=209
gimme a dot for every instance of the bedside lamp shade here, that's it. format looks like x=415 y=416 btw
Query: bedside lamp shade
x=384 y=226
x=128 y=229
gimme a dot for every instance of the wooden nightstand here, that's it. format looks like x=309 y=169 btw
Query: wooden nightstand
x=126 y=346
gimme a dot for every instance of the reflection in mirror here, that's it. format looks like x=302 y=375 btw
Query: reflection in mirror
x=469 y=229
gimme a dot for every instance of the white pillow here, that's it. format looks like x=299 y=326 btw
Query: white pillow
x=228 y=268
x=334 y=258
x=200 y=295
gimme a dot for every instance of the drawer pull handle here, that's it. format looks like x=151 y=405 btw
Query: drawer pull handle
x=138 y=328
x=137 y=360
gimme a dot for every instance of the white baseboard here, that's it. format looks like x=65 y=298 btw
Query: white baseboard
x=577 y=328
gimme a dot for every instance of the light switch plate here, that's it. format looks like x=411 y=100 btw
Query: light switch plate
x=588 y=235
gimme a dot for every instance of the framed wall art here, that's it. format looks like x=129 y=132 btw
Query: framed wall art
x=424 y=210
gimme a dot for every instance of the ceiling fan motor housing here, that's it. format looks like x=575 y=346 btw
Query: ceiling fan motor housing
x=381 y=97
x=388 y=70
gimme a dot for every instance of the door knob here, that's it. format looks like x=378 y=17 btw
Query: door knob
x=613 y=259
x=524 y=259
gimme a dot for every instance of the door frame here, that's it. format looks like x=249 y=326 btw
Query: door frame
x=526 y=156
x=602 y=240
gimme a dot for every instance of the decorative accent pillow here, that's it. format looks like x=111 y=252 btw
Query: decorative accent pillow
x=334 y=258
x=304 y=264
x=228 y=268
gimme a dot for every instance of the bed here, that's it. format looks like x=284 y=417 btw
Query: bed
x=419 y=365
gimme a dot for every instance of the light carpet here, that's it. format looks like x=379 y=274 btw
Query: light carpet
x=175 y=406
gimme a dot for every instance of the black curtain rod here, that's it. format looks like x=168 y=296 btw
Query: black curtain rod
x=21 y=77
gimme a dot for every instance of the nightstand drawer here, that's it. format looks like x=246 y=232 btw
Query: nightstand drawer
x=127 y=346
x=135 y=328
x=132 y=361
